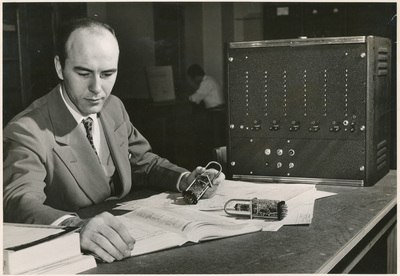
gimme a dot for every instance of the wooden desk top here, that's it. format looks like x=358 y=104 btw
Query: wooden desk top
x=339 y=223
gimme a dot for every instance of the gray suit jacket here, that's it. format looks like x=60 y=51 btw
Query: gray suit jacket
x=50 y=170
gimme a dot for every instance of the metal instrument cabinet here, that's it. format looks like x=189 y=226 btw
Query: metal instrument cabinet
x=309 y=110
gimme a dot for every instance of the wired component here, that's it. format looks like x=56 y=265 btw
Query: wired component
x=257 y=208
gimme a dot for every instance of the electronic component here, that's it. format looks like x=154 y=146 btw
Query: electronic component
x=200 y=185
x=257 y=208
x=311 y=110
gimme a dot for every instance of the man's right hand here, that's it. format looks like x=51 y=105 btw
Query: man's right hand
x=107 y=237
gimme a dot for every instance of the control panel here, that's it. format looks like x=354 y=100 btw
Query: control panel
x=309 y=109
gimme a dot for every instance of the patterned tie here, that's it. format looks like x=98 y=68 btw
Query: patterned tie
x=88 y=123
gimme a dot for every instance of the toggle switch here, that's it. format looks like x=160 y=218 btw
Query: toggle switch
x=295 y=126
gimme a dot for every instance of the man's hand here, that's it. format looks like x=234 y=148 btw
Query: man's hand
x=185 y=182
x=107 y=237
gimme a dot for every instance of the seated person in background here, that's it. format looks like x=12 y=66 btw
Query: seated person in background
x=208 y=113
x=76 y=147
x=209 y=91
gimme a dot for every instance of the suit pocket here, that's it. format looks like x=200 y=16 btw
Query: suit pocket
x=121 y=137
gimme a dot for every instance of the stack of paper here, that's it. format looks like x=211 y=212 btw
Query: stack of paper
x=298 y=197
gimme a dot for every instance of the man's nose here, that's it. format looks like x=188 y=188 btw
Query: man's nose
x=95 y=85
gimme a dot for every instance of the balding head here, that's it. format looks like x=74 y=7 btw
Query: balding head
x=88 y=67
x=90 y=25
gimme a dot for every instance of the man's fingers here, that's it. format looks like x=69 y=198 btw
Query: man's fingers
x=215 y=176
x=111 y=241
x=123 y=233
x=219 y=178
x=107 y=237
x=89 y=245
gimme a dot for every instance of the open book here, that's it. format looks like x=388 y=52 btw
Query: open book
x=158 y=228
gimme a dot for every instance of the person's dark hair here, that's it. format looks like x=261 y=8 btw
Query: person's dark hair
x=67 y=28
x=195 y=70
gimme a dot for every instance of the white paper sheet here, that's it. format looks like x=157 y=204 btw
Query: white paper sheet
x=299 y=198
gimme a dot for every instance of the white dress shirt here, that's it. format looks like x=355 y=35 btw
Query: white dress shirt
x=78 y=117
x=210 y=92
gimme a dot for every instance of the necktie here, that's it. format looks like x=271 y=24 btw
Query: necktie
x=88 y=123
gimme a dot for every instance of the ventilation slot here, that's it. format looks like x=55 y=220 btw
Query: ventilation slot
x=381 y=155
x=383 y=66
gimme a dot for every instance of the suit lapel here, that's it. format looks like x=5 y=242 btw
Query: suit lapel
x=117 y=142
x=75 y=151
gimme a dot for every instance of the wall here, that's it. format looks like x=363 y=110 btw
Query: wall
x=133 y=23
x=203 y=37
x=248 y=21
x=208 y=26
x=212 y=40
x=193 y=27
x=98 y=10
x=218 y=23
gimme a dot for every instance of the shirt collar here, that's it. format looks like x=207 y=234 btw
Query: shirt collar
x=77 y=116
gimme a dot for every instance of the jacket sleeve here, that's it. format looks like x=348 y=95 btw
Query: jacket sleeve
x=24 y=175
x=147 y=168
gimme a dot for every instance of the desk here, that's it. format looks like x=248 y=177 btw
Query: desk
x=343 y=229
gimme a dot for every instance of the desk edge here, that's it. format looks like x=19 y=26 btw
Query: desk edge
x=330 y=264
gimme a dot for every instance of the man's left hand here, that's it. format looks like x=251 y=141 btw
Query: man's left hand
x=216 y=180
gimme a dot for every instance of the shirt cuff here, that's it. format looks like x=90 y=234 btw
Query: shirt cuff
x=179 y=180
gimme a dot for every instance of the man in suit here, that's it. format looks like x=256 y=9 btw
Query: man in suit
x=76 y=147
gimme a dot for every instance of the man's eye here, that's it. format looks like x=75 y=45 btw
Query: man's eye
x=107 y=75
x=83 y=74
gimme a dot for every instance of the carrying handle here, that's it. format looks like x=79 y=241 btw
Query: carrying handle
x=216 y=163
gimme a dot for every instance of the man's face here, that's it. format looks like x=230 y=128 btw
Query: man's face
x=90 y=69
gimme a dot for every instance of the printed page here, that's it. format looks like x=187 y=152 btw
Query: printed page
x=149 y=238
x=227 y=190
x=249 y=190
x=299 y=198
x=192 y=224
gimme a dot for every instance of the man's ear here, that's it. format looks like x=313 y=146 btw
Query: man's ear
x=58 y=67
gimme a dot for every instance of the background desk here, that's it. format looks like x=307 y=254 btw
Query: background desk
x=179 y=130
x=344 y=228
